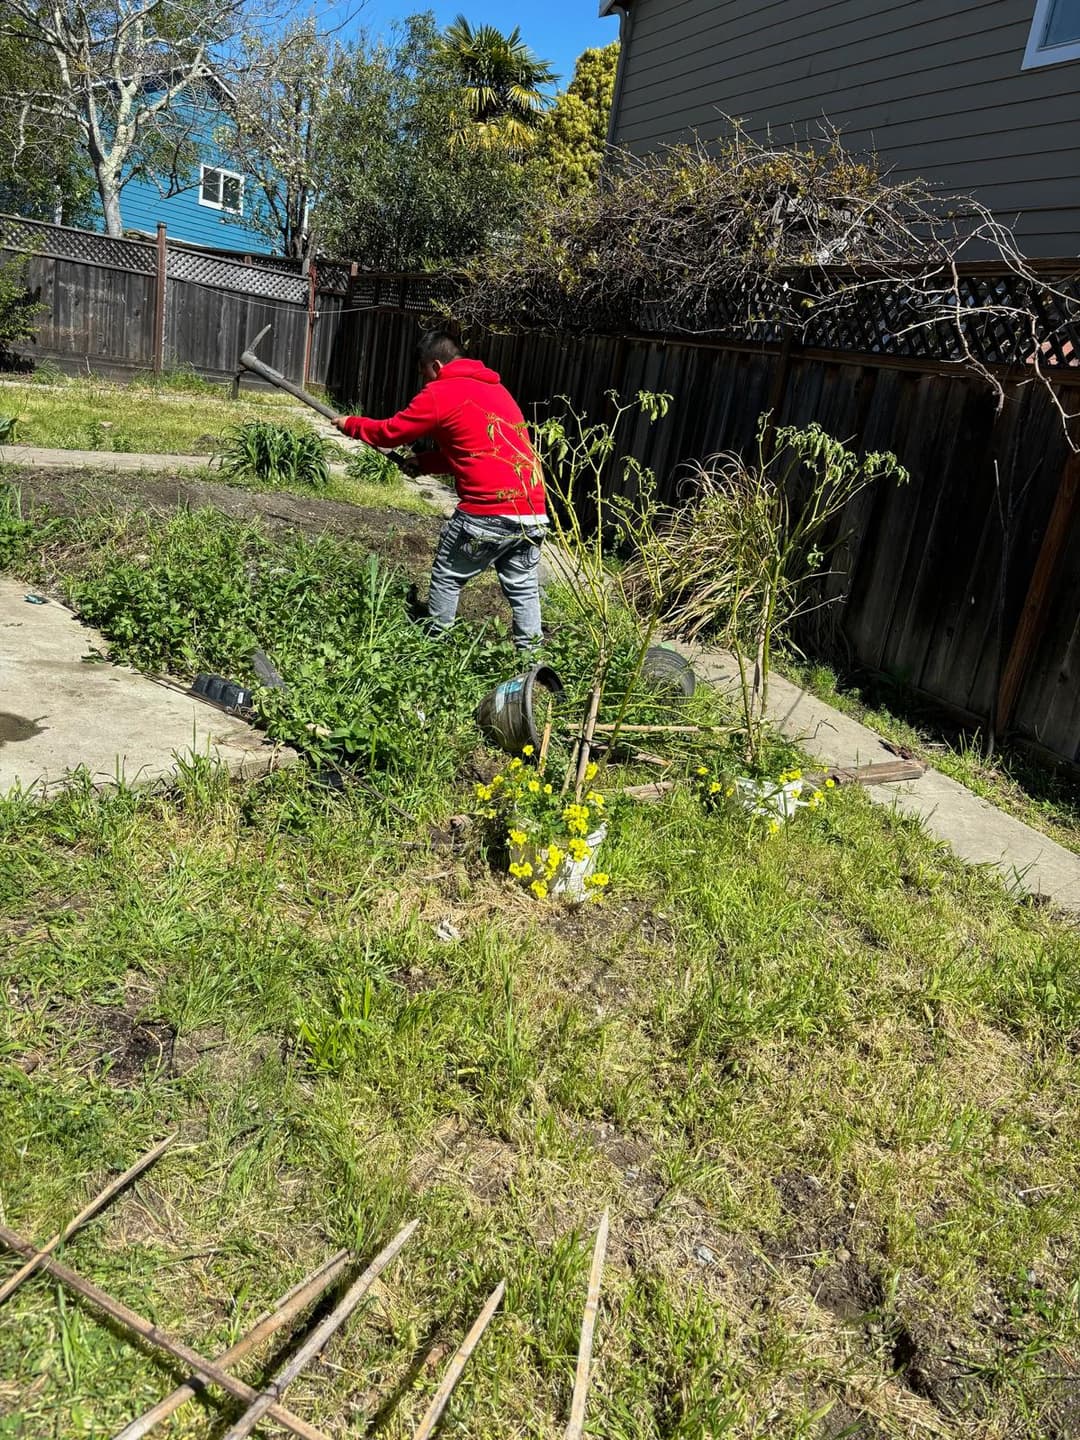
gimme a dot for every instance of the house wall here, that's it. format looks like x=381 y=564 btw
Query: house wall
x=933 y=86
x=142 y=206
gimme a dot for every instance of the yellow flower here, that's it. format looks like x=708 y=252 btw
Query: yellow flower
x=521 y=871
x=547 y=790
x=515 y=764
x=489 y=814
x=577 y=827
x=539 y=889
x=714 y=788
x=595 y=798
x=516 y=837
x=830 y=784
x=534 y=787
x=774 y=826
x=483 y=792
x=591 y=770
x=598 y=880
x=578 y=849
x=527 y=750
x=818 y=795
x=701 y=770
x=730 y=790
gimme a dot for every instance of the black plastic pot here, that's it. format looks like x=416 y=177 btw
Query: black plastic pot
x=506 y=716
x=219 y=691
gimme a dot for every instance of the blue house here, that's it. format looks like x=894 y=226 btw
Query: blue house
x=212 y=205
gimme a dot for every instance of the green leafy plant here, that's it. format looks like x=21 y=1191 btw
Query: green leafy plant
x=8 y=426
x=279 y=456
x=540 y=828
x=592 y=508
x=741 y=560
x=370 y=467
x=19 y=309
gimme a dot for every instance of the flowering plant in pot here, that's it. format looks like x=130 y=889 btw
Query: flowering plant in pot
x=551 y=838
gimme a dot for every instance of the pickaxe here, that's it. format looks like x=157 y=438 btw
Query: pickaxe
x=250 y=361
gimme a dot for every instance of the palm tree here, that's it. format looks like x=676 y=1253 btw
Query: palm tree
x=501 y=85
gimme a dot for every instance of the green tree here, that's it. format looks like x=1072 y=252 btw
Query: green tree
x=399 y=194
x=116 y=74
x=572 y=136
x=501 y=82
x=43 y=175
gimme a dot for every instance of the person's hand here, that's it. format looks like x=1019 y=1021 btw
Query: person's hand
x=410 y=463
x=338 y=423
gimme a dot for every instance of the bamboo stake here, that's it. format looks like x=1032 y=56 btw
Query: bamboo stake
x=86 y=1213
x=669 y=729
x=586 y=739
x=148 y=1331
x=265 y=1402
x=544 y=743
x=457 y=1364
x=284 y=1310
x=588 y=1326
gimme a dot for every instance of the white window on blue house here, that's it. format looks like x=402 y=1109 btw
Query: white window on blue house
x=1055 y=33
x=221 y=189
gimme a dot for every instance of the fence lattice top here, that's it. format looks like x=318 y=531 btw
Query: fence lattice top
x=35 y=237
x=222 y=274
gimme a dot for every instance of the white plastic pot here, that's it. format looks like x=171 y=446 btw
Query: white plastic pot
x=569 y=879
x=765 y=797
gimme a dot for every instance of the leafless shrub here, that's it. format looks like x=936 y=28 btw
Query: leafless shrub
x=750 y=240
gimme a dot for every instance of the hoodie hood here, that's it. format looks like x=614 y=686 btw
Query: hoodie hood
x=465 y=369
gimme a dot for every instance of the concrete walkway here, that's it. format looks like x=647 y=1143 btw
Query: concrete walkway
x=976 y=831
x=36 y=457
x=60 y=710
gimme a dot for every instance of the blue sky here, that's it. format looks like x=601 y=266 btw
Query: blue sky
x=558 y=30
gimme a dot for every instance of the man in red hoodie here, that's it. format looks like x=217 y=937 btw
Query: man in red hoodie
x=483 y=442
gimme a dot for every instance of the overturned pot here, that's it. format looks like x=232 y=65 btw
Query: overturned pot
x=515 y=713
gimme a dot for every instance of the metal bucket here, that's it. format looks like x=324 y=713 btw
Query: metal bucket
x=665 y=669
x=506 y=717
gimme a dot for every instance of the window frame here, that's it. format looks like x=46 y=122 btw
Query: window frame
x=1037 y=53
x=222 y=175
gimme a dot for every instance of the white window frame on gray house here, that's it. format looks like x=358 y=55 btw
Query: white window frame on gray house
x=1041 y=49
x=222 y=177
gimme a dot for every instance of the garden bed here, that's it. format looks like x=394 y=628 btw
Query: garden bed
x=825 y=1077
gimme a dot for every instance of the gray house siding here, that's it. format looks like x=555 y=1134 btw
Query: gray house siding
x=934 y=87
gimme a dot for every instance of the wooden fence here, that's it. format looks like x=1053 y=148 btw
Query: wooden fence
x=964 y=585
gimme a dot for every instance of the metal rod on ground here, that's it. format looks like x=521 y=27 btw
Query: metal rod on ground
x=588 y=1327
x=284 y=1310
x=458 y=1363
x=146 y=1330
x=264 y=1402
x=86 y=1213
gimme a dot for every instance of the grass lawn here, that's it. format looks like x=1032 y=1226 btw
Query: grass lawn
x=1046 y=799
x=826 y=1079
x=178 y=415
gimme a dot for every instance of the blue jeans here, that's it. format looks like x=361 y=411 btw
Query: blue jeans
x=468 y=545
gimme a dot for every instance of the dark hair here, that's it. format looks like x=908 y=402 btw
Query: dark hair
x=437 y=345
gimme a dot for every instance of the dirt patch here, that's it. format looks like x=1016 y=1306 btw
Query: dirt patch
x=127 y=1048
x=399 y=536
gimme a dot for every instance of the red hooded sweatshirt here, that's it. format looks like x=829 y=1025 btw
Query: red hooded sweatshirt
x=481 y=434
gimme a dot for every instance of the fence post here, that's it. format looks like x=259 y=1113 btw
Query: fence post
x=1036 y=602
x=309 y=338
x=159 y=299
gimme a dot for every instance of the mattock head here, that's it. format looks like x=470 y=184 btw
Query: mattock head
x=250 y=351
